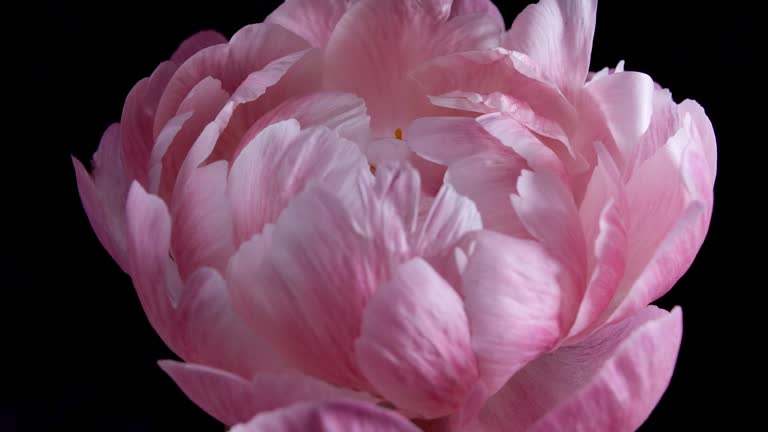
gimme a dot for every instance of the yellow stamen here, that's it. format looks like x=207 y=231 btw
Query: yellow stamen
x=399 y=134
x=372 y=167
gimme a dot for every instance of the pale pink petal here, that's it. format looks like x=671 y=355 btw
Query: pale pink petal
x=304 y=285
x=395 y=197
x=313 y=20
x=104 y=194
x=609 y=382
x=670 y=199
x=278 y=164
x=450 y=217
x=512 y=299
x=604 y=216
x=489 y=179
x=546 y=208
x=467 y=7
x=557 y=35
x=195 y=43
x=202 y=233
x=233 y=399
x=249 y=50
x=445 y=140
x=626 y=102
x=136 y=133
x=343 y=113
x=377 y=42
x=415 y=343
x=665 y=122
x=332 y=416
x=498 y=80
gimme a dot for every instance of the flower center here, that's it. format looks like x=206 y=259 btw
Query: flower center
x=399 y=136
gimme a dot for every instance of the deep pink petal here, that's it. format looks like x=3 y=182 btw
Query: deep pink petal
x=278 y=164
x=557 y=35
x=195 y=43
x=512 y=299
x=332 y=416
x=104 y=194
x=609 y=382
x=377 y=42
x=313 y=20
x=233 y=399
x=415 y=343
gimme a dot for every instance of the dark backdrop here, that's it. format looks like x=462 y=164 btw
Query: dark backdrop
x=81 y=356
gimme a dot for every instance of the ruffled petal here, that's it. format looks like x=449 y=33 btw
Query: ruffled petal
x=313 y=20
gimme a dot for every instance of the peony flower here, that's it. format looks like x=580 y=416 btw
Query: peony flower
x=396 y=215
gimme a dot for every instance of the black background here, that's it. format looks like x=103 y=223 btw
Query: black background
x=81 y=356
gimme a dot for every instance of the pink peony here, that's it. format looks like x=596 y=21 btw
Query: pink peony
x=398 y=203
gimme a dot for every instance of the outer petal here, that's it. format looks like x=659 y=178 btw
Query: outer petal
x=377 y=43
x=195 y=43
x=329 y=417
x=466 y=7
x=232 y=399
x=104 y=194
x=669 y=220
x=512 y=299
x=196 y=321
x=278 y=164
x=557 y=35
x=313 y=20
x=250 y=49
x=610 y=381
x=415 y=344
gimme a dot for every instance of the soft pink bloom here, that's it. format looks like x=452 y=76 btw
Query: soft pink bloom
x=397 y=203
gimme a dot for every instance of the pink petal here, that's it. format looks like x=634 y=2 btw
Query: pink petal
x=304 y=285
x=195 y=43
x=343 y=113
x=466 y=7
x=497 y=80
x=415 y=343
x=313 y=20
x=278 y=164
x=332 y=416
x=510 y=284
x=604 y=215
x=670 y=199
x=376 y=43
x=136 y=135
x=196 y=321
x=665 y=122
x=450 y=217
x=201 y=105
x=232 y=399
x=445 y=140
x=104 y=194
x=546 y=208
x=489 y=179
x=252 y=91
x=609 y=382
x=557 y=35
x=202 y=233
x=249 y=50
x=626 y=101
